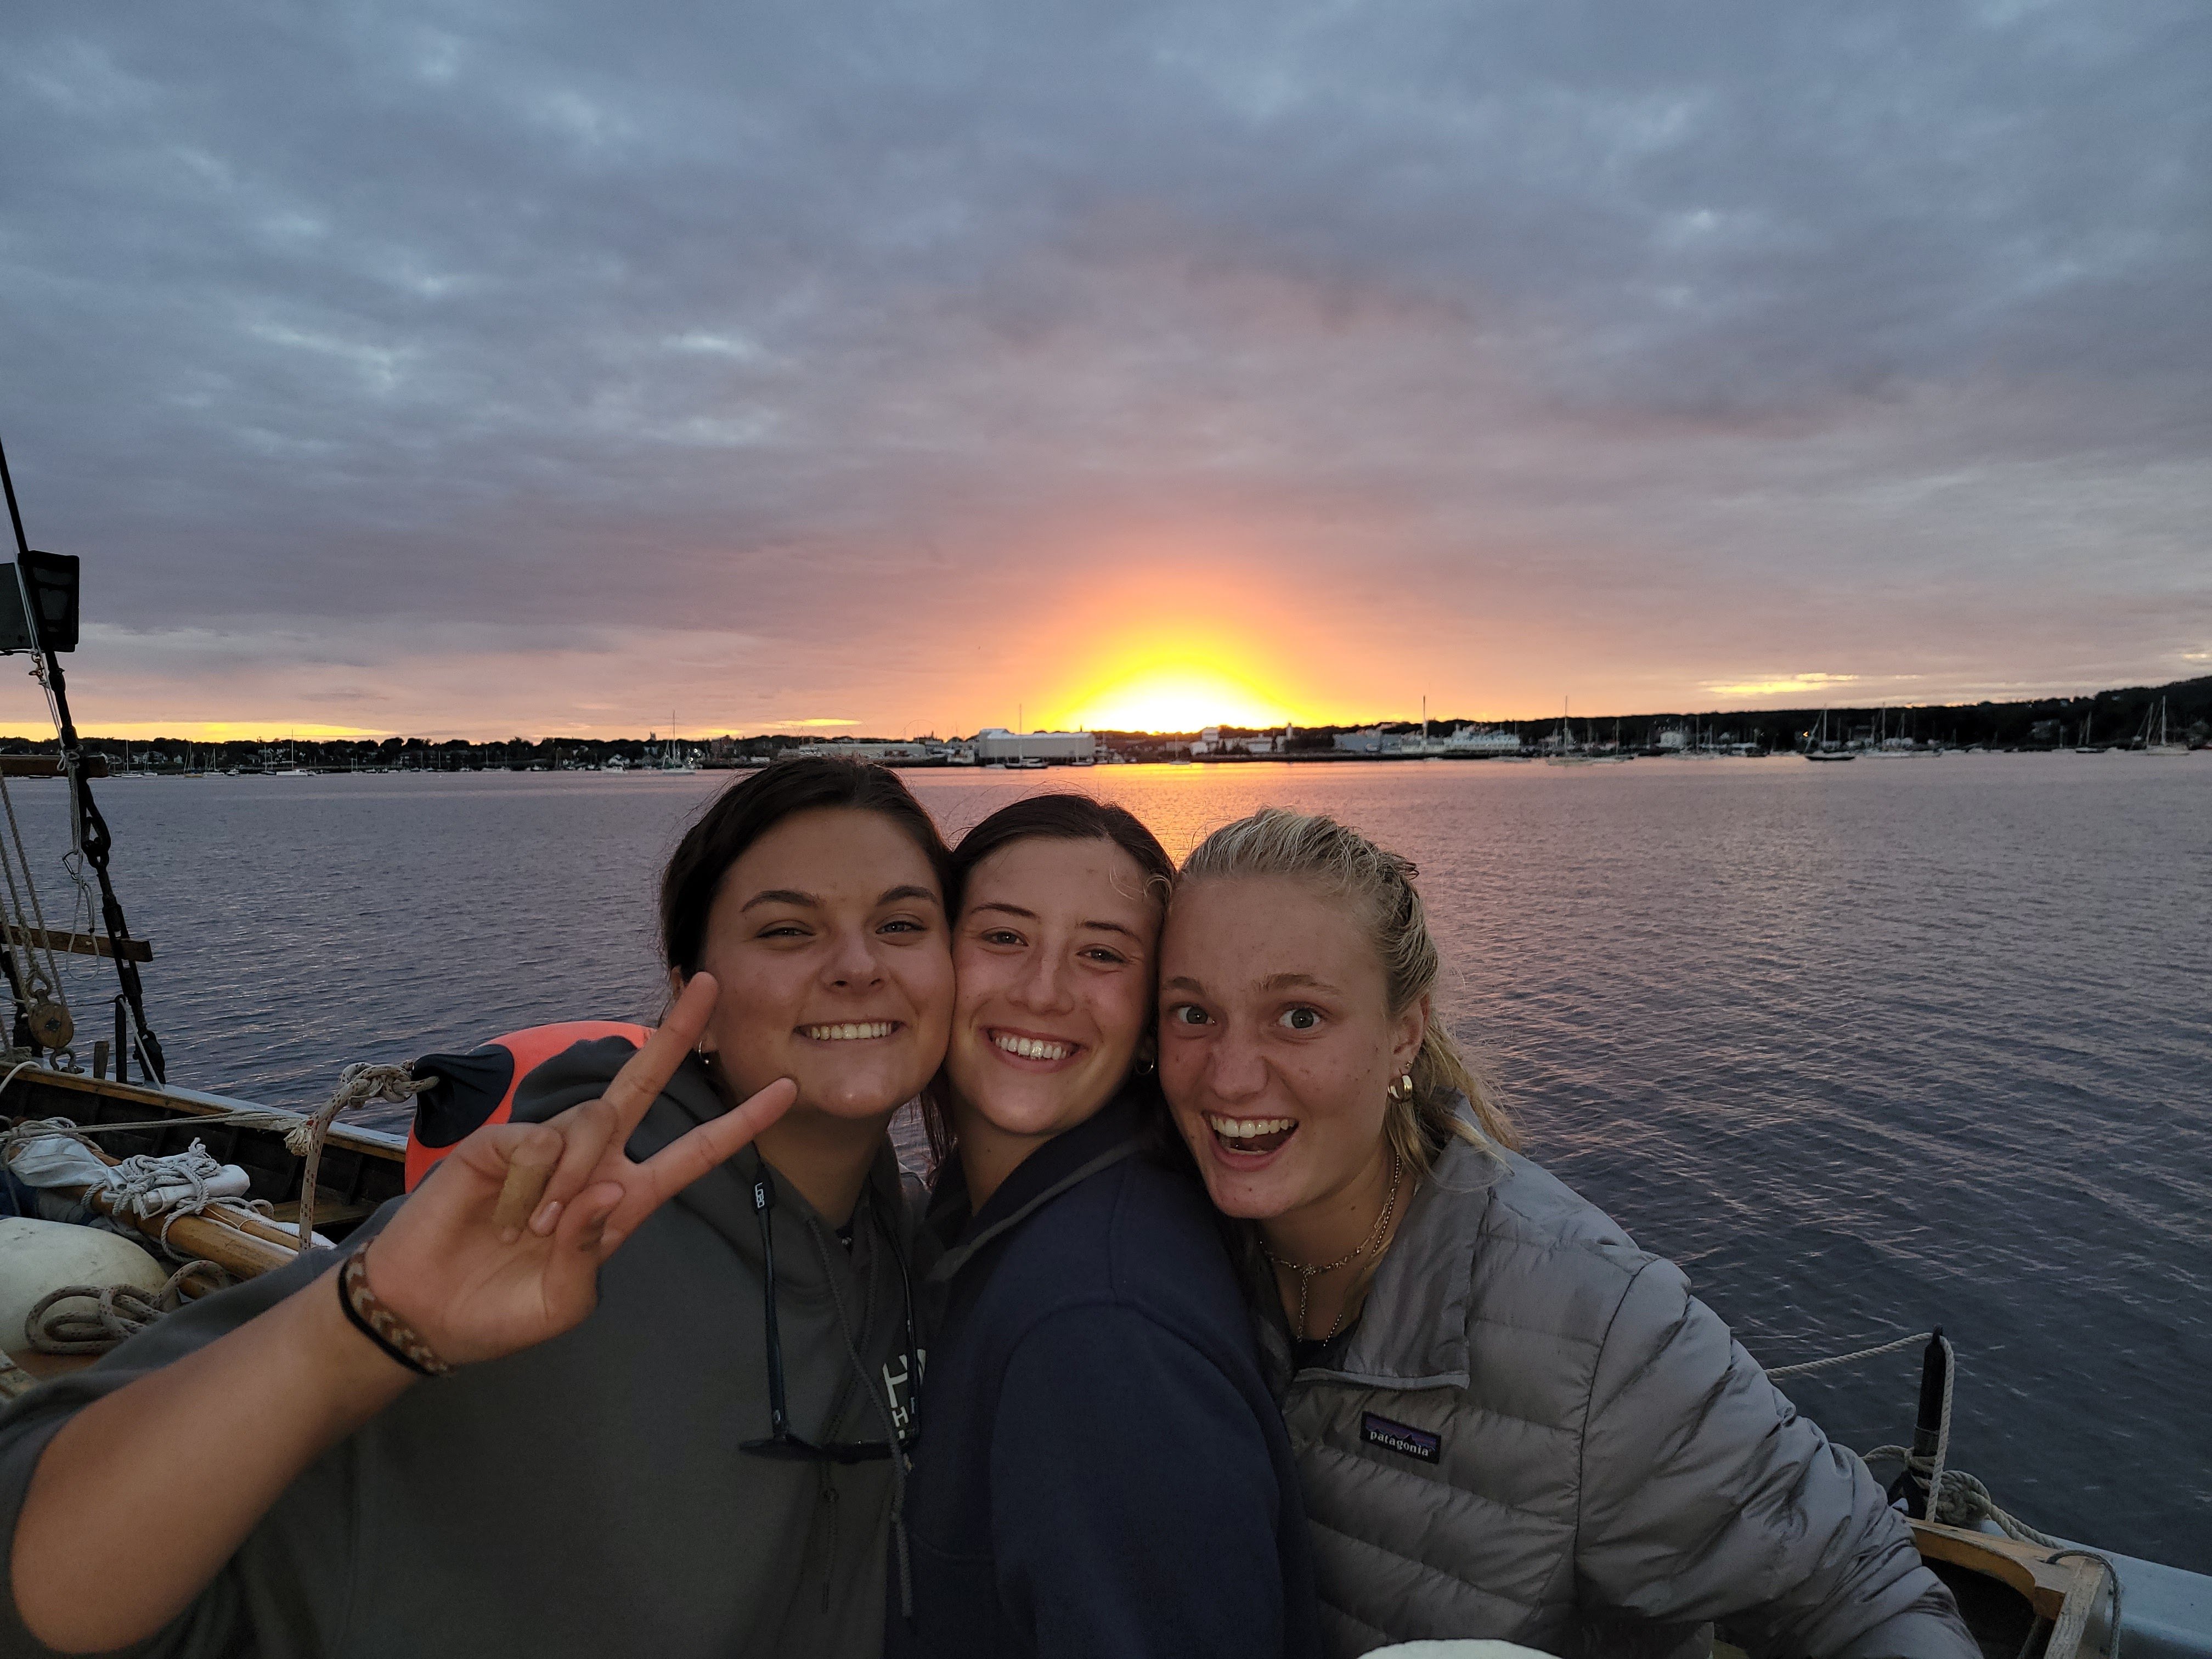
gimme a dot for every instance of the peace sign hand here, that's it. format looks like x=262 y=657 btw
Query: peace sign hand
x=501 y=1248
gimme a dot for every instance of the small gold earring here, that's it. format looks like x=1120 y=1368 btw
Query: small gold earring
x=1402 y=1090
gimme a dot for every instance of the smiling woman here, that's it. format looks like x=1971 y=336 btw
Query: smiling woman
x=828 y=934
x=1512 y=1423
x=706 y=1426
x=1091 y=1341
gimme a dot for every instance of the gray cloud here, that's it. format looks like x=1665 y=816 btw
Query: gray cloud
x=1708 y=321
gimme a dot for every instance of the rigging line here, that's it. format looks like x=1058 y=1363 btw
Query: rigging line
x=38 y=911
x=94 y=841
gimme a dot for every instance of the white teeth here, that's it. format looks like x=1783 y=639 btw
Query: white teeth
x=850 y=1032
x=1248 y=1129
x=1032 y=1048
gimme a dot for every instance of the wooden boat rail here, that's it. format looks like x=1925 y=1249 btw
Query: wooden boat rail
x=360 y=1169
x=2069 y=1591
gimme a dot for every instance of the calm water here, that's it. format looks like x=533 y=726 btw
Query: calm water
x=1866 y=1048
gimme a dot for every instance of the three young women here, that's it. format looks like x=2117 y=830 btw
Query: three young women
x=682 y=1366
x=1104 y=1470
x=1510 y=1422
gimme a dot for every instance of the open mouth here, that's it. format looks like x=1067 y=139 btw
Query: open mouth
x=1047 y=1049
x=1253 y=1135
x=854 y=1031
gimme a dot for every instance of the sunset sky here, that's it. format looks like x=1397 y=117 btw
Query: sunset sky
x=497 y=368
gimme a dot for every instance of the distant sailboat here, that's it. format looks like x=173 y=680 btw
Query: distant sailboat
x=2163 y=744
x=1818 y=749
x=1577 y=754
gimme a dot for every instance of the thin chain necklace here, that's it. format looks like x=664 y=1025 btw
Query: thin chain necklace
x=1307 y=1275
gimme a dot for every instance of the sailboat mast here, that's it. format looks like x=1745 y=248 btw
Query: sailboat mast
x=93 y=837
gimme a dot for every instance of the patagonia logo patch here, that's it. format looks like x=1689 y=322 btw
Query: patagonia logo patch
x=1397 y=1437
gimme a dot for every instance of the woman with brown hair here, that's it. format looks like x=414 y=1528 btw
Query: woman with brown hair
x=1105 y=1472
x=1510 y=1422
x=629 y=1374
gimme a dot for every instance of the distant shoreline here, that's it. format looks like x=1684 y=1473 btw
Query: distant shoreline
x=2111 y=718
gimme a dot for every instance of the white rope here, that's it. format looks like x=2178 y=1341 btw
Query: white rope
x=251 y=1117
x=359 y=1085
x=16 y=916
x=1954 y=1498
x=171 y=1187
x=118 y=1311
x=1847 y=1358
x=1943 y=1433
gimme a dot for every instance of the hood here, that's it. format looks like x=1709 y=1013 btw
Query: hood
x=691 y=1097
x=1121 y=1128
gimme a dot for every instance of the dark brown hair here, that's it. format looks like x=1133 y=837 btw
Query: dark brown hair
x=756 y=804
x=1040 y=817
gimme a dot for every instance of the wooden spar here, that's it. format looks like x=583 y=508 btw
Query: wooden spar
x=227 y=1242
x=243 y=1244
x=82 y=944
x=50 y=766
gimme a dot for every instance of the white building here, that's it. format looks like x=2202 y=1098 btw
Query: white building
x=1479 y=740
x=994 y=744
x=921 y=751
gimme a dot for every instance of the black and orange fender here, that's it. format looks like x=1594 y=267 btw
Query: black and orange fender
x=478 y=1087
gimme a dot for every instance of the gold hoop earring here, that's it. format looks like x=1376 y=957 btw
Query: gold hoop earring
x=1402 y=1090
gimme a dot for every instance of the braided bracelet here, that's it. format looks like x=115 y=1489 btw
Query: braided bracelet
x=379 y=1324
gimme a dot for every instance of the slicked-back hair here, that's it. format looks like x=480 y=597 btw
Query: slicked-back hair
x=1040 y=818
x=755 y=805
x=1377 y=887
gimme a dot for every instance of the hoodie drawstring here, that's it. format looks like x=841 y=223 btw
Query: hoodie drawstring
x=899 y=1550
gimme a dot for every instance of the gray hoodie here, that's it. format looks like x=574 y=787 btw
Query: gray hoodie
x=588 y=1496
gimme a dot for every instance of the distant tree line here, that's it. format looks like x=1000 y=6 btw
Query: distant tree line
x=2114 y=716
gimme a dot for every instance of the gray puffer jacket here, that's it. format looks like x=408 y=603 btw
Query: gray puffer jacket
x=1534 y=1433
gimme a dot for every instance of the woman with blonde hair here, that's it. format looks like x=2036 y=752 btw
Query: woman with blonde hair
x=1509 y=1421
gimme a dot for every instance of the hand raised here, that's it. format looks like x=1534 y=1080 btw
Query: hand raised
x=501 y=1248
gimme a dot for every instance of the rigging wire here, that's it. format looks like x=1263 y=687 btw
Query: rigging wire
x=91 y=842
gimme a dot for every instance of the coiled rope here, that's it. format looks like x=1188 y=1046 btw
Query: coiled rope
x=118 y=1311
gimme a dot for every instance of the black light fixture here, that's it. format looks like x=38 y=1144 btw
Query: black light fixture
x=50 y=581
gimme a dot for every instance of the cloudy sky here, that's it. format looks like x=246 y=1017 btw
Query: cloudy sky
x=485 y=368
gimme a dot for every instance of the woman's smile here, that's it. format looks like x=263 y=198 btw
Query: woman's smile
x=866 y=1031
x=1249 y=1143
x=1033 y=1051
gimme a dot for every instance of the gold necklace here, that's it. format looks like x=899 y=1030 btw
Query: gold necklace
x=1307 y=1275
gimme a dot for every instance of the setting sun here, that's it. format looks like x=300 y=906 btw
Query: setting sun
x=1178 y=697
x=1177 y=679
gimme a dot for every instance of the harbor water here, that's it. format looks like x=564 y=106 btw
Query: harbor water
x=1867 y=1048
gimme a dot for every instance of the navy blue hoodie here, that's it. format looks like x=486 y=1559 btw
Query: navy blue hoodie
x=1102 y=1470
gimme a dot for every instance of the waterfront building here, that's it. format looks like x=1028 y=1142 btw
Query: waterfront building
x=995 y=743
x=1211 y=742
x=1483 y=740
x=918 y=751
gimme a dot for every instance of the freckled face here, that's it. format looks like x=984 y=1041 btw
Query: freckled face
x=1054 y=955
x=828 y=938
x=1277 y=1042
